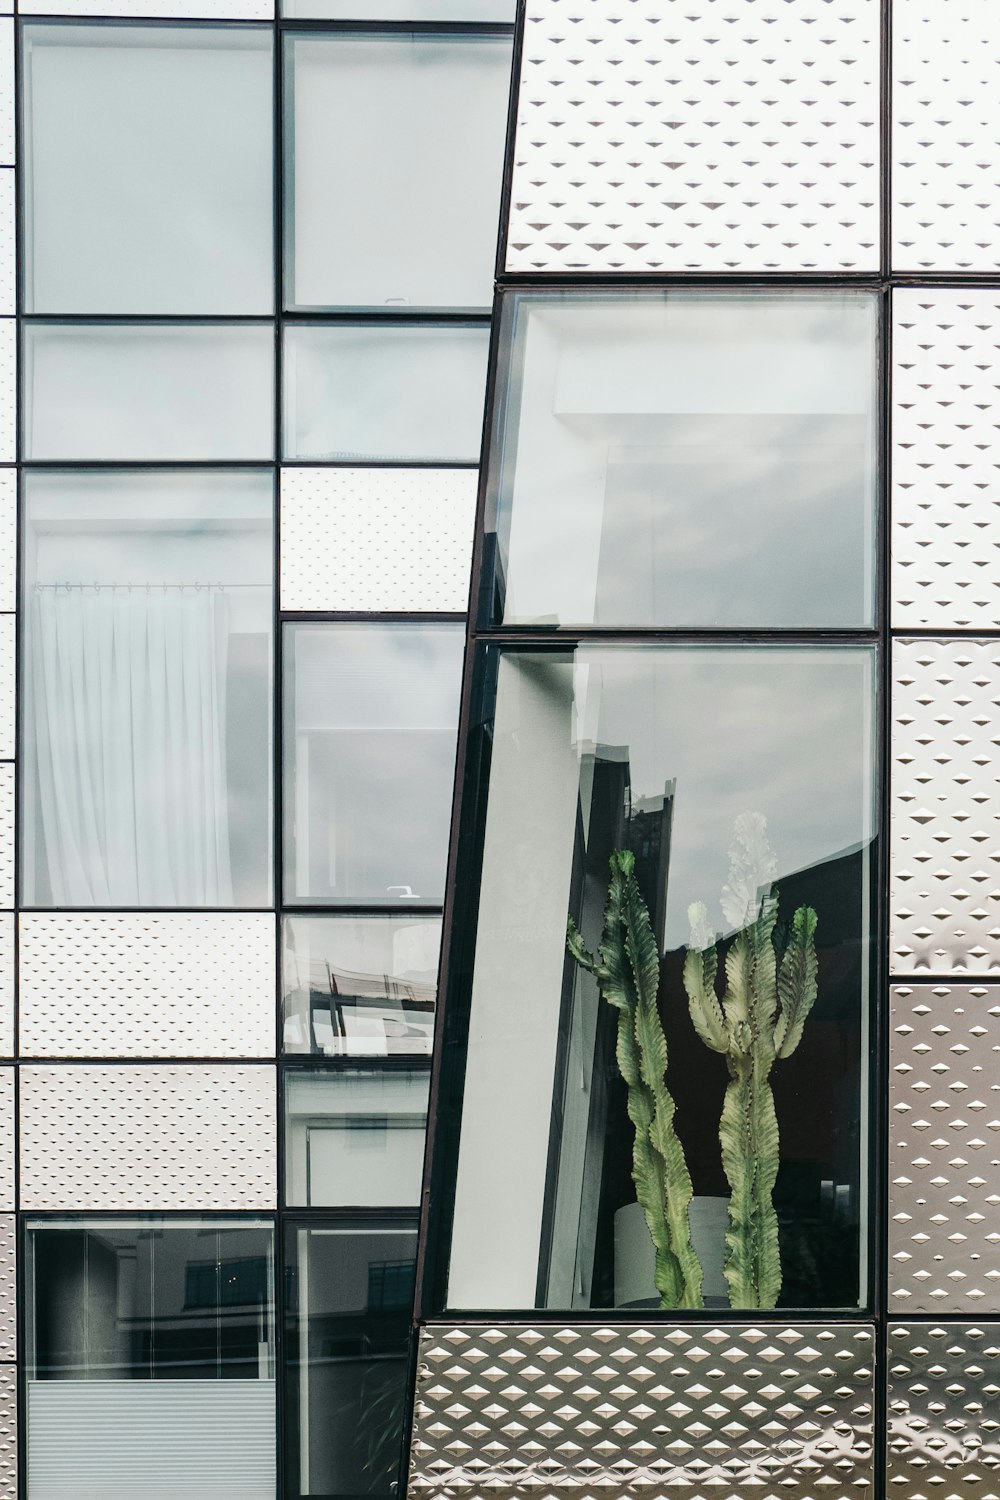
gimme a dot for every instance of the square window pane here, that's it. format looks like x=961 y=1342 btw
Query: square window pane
x=407 y=394
x=347 y=1334
x=689 y=458
x=388 y=204
x=148 y=169
x=147 y=688
x=155 y=392
x=355 y=1139
x=371 y=721
x=740 y=781
x=360 y=986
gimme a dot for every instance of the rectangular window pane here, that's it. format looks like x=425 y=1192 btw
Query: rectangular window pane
x=389 y=205
x=504 y=11
x=690 y=459
x=127 y=392
x=355 y=1139
x=371 y=719
x=347 y=1323
x=147 y=701
x=148 y=169
x=734 y=777
x=150 y=1349
x=360 y=986
x=408 y=394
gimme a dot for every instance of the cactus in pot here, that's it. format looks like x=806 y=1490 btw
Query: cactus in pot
x=627 y=970
x=770 y=988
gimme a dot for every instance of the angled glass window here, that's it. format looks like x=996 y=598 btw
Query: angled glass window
x=740 y=781
x=388 y=204
x=360 y=986
x=371 y=720
x=409 y=394
x=146 y=709
x=347 y=1325
x=354 y=1138
x=150 y=1357
x=686 y=458
x=147 y=167
x=121 y=392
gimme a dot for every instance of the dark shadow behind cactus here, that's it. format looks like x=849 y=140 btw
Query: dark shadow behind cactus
x=628 y=976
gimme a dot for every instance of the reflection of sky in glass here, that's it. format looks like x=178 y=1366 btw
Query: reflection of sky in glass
x=781 y=732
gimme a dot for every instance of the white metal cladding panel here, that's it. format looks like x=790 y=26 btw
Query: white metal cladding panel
x=207 y=10
x=945 y=807
x=946 y=459
x=8 y=539
x=132 y=984
x=6 y=835
x=6 y=93
x=945 y=135
x=944 y=1431
x=377 y=539
x=154 y=1439
x=122 y=1138
x=8 y=386
x=691 y=1409
x=8 y=1432
x=6 y=984
x=715 y=136
x=6 y=686
x=8 y=298
x=8 y=1288
x=6 y=1140
x=944 y=1149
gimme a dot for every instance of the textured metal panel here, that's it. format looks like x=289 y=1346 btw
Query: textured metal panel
x=944 y=1148
x=661 y=1410
x=8 y=1288
x=147 y=1137
x=8 y=299
x=6 y=1140
x=376 y=539
x=6 y=835
x=6 y=687
x=8 y=539
x=944 y=1432
x=719 y=136
x=945 y=860
x=8 y=1432
x=8 y=386
x=946 y=459
x=196 y=10
x=945 y=130
x=7 y=154
x=6 y=985
x=129 y=984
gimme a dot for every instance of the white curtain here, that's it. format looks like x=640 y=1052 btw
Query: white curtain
x=129 y=726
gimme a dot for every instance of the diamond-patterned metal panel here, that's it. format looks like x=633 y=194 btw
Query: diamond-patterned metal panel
x=944 y=1148
x=944 y=1411
x=145 y=1137
x=946 y=459
x=720 y=136
x=945 y=807
x=945 y=135
x=147 y=984
x=712 y=1413
x=377 y=539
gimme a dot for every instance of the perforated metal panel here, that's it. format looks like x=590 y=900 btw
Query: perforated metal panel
x=7 y=93
x=718 y=136
x=6 y=984
x=8 y=538
x=8 y=297
x=661 y=1410
x=6 y=686
x=8 y=1432
x=944 y=1411
x=945 y=135
x=207 y=10
x=6 y=835
x=376 y=539
x=8 y=1288
x=946 y=459
x=176 y=984
x=944 y=1148
x=8 y=385
x=6 y=1140
x=945 y=861
x=147 y=1137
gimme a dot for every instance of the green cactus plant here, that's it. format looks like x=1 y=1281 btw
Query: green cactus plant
x=770 y=989
x=628 y=976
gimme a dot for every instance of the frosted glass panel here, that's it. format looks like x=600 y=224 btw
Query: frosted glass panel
x=413 y=394
x=355 y=1139
x=403 y=10
x=148 y=393
x=148 y=169
x=394 y=165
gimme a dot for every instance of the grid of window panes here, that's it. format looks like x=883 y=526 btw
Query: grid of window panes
x=256 y=282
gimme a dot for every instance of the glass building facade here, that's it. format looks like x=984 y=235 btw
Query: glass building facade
x=500 y=640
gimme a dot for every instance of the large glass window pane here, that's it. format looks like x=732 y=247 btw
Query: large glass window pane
x=504 y=11
x=355 y=1139
x=734 y=776
x=150 y=1352
x=147 y=688
x=155 y=392
x=148 y=169
x=409 y=394
x=388 y=203
x=689 y=458
x=360 y=986
x=347 y=1321
x=371 y=718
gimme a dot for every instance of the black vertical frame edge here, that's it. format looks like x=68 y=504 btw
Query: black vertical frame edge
x=510 y=145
